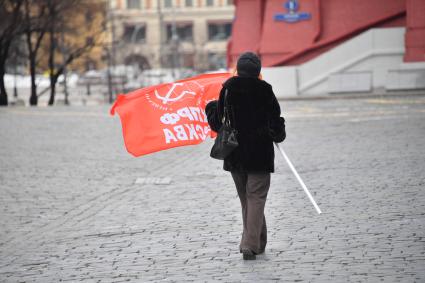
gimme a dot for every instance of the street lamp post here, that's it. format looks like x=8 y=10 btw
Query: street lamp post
x=107 y=55
x=112 y=19
x=174 y=43
x=65 y=71
x=161 y=31
x=109 y=51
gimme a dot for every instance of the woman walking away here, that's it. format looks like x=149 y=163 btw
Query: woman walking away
x=255 y=114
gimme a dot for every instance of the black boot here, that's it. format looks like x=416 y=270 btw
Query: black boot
x=248 y=254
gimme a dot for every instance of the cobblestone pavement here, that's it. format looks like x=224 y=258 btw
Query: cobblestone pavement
x=70 y=209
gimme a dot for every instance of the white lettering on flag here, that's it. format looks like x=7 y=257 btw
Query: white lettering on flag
x=185 y=132
x=201 y=133
x=191 y=113
x=180 y=133
x=168 y=118
x=185 y=113
x=169 y=136
x=192 y=132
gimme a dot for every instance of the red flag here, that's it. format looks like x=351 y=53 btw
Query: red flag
x=167 y=115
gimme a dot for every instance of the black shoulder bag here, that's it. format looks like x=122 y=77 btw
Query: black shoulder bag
x=226 y=141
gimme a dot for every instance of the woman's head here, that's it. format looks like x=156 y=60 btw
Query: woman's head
x=249 y=65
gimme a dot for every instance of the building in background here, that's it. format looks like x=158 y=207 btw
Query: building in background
x=85 y=25
x=315 y=47
x=172 y=33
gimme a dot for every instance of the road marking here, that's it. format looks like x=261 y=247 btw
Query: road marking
x=153 y=181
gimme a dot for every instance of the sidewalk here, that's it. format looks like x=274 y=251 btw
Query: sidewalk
x=71 y=210
x=359 y=95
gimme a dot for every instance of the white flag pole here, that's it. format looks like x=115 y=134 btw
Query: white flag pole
x=299 y=179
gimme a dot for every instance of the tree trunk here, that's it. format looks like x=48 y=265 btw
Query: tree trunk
x=33 y=97
x=3 y=93
x=65 y=87
x=33 y=47
x=52 y=50
x=53 y=80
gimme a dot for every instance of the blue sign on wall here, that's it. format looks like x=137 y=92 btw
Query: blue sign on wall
x=292 y=16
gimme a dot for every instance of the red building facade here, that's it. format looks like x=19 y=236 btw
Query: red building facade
x=292 y=32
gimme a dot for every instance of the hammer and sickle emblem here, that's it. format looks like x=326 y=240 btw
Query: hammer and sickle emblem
x=165 y=99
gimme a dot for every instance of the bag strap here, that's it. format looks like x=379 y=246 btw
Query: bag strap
x=226 y=116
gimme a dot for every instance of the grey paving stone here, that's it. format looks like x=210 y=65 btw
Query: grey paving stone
x=70 y=210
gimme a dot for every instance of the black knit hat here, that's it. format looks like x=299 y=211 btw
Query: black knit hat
x=249 y=65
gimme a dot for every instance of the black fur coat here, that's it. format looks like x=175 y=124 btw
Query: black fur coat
x=256 y=117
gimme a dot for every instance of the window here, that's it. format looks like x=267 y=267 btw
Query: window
x=184 y=32
x=168 y=3
x=210 y=2
x=219 y=31
x=189 y=3
x=133 y=4
x=134 y=34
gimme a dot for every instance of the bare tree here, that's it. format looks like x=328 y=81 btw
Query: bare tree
x=16 y=60
x=35 y=27
x=61 y=27
x=10 y=14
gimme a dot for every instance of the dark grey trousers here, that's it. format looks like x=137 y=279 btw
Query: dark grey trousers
x=252 y=191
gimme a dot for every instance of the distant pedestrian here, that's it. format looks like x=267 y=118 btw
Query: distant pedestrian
x=256 y=117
